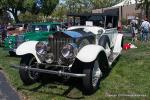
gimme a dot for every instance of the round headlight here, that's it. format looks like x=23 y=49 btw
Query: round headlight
x=69 y=51
x=41 y=48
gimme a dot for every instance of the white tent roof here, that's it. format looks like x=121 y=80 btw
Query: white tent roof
x=125 y=2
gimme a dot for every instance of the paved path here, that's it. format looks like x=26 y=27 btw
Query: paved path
x=6 y=91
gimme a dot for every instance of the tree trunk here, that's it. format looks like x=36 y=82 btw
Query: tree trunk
x=16 y=17
x=147 y=10
x=14 y=13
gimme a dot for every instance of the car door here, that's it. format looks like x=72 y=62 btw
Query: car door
x=110 y=34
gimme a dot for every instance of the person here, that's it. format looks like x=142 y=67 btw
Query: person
x=119 y=27
x=145 y=27
x=3 y=33
x=141 y=33
x=134 y=29
x=101 y=24
x=109 y=25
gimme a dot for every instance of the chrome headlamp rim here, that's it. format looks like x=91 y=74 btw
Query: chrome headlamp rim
x=41 y=48
x=69 y=51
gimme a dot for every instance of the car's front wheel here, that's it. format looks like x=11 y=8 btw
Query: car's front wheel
x=12 y=53
x=93 y=75
x=28 y=77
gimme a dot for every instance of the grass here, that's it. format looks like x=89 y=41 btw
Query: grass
x=129 y=79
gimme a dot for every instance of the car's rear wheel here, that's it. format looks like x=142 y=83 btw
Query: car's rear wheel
x=28 y=77
x=93 y=75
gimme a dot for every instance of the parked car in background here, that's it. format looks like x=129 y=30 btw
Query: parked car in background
x=85 y=52
x=35 y=31
x=16 y=29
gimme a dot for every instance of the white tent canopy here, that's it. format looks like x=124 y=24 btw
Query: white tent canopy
x=125 y=2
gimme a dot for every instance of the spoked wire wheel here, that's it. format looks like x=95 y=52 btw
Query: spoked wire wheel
x=93 y=75
x=28 y=77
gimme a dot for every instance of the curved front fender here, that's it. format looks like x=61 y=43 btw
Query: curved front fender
x=89 y=53
x=28 y=47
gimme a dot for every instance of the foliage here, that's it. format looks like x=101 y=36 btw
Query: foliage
x=4 y=17
x=28 y=17
x=81 y=6
x=46 y=6
x=60 y=12
x=78 y=6
x=124 y=21
x=145 y=5
x=86 y=5
x=14 y=6
x=103 y=3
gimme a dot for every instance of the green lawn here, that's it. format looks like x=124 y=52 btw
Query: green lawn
x=129 y=79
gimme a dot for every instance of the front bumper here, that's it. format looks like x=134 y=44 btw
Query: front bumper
x=59 y=73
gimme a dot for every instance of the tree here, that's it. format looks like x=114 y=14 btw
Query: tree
x=4 y=17
x=80 y=6
x=144 y=4
x=60 y=11
x=28 y=17
x=41 y=6
x=103 y=3
x=12 y=6
x=34 y=6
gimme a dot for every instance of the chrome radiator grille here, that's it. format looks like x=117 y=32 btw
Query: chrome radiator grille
x=56 y=45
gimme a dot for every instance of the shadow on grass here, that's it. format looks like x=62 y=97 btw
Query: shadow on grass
x=52 y=82
x=74 y=85
x=12 y=56
x=110 y=69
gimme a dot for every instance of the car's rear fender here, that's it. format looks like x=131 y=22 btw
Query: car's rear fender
x=28 y=47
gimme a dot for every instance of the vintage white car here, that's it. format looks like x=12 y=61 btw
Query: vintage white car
x=85 y=52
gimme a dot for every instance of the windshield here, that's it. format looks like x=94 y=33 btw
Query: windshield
x=33 y=28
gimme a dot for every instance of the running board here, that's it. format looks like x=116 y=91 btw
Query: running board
x=112 y=57
x=59 y=73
